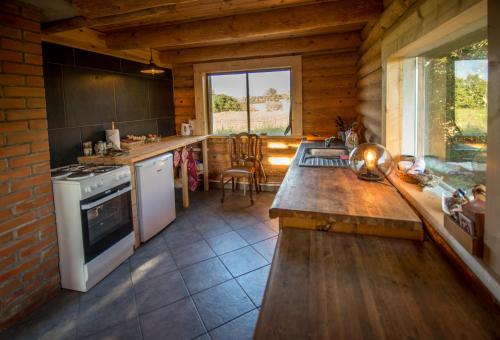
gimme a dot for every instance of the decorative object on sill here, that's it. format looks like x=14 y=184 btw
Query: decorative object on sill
x=352 y=138
x=113 y=137
x=100 y=147
x=186 y=129
x=87 y=148
x=371 y=162
x=473 y=244
x=341 y=128
x=404 y=163
x=151 y=68
x=428 y=180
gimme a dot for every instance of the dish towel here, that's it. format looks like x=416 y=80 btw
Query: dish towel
x=193 y=175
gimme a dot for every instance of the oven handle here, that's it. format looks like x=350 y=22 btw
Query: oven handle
x=105 y=199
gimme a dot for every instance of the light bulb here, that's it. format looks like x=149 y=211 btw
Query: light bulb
x=370 y=159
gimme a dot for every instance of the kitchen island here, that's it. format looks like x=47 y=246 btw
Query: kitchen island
x=150 y=150
x=334 y=199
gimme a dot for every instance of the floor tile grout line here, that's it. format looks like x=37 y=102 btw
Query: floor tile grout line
x=135 y=299
x=239 y=316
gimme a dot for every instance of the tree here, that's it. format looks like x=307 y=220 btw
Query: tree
x=223 y=102
x=471 y=92
x=271 y=92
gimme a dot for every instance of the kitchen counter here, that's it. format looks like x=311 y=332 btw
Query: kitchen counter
x=334 y=199
x=149 y=150
x=339 y=286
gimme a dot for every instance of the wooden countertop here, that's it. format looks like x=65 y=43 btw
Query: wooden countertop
x=144 y=151
x=337 y=195
x=339 y=286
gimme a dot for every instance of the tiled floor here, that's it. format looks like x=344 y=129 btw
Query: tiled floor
x=203 y=277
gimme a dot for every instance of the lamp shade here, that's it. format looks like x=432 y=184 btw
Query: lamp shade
x=152 y=69
x=371 y=161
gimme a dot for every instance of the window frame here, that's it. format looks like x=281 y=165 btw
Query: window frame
x=201 y=72
x=247 y=84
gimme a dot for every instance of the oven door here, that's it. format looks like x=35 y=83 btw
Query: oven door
x=106 y=219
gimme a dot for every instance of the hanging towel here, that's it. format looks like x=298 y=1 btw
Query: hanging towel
x=193 y=175
x=177 y=158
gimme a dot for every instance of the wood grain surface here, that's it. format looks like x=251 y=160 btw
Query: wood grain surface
x=332 y=286
x=337 y=195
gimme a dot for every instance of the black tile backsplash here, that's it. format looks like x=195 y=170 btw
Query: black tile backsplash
x=86 y=91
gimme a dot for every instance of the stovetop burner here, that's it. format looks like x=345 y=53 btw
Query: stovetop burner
x=81 y=171
x=80 y=175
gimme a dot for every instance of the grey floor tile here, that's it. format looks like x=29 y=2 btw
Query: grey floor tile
x=212 y=225
x=182 y=237
x=100 y=314
x=243 y=260
x=203 y=337
x=256 y=233
x=226 y=242
x=156 y=262
x=241 y=328
x=254 y=284
x=238 y=219
x=274 y=224
x=222 y=303
x=176 y=321
x=159 y=291
x=114 y=286
x=266 y=248
x=192 y=253
x=128 y=330
x=205 y=274
x=180 y=223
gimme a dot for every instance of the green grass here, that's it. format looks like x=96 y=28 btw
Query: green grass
x=472 y=122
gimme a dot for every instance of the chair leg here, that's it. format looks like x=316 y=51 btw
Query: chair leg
x=256 y=183
x=250 y=182
x=222 y=187
x=232 y=180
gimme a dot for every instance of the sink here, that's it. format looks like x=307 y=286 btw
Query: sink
x=324 y=157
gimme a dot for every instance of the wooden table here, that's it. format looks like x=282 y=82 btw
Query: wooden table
x=150 y=150
x=335 y=199
x=340 y=286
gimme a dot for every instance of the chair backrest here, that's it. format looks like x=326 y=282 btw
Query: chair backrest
x=244 y=148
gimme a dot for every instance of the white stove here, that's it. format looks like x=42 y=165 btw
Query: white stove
x=94 y=222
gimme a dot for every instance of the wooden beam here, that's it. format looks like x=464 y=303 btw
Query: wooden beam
x=278 y=23
x=90 y=40
x=311 y=44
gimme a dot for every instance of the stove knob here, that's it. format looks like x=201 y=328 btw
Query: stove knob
x=87 y=189
x=94 y=186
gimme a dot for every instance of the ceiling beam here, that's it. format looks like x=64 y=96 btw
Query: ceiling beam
x=311 y=44
x=90 y=40
x=278 y=23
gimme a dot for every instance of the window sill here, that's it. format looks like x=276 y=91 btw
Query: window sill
x=428 y=205
x=263 y=137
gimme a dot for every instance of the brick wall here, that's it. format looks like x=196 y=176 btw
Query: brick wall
x=29 y=272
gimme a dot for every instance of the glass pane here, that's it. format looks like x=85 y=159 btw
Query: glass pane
x=269 y=102
x=228 y=103
x=107 y=218
x=456 y=82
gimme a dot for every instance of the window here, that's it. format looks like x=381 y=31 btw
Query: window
x=254 y=101
x=446 y=103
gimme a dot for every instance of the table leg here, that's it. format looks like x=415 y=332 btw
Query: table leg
x=204 y=148
x=185 y=185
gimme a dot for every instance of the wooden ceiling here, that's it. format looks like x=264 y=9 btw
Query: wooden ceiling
x=131 y=27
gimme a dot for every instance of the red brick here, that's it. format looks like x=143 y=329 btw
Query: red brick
x=38 y=124
x=33 y=37
x=16 y=222
x=22 y=69
x=31 y=13
x=30 y=181
x=10 y=32
x=12 y=103
x=27 y=136
x=45 y=210
x=11 y=79
x=2 y=116
x=4 y=189
x=16 y=173
x=8 y=261
x=5 y=214
x=30 y=159
x=24 y=91
x=19 y=269
x=34 y=81
x=41 y=168
x=17 y=45
x=32 y=204
x=36 y=225
x=7 y=237
x=39 y=146
x=38 y=246
x=3 y=164
x=15 y=197
x=13 y=126
x=11 y=56
x=15 y=150
x=9 y=288
x=33 y=59
x=8 y=7
x=43 y=188
x=18 y=22
x=26 y=114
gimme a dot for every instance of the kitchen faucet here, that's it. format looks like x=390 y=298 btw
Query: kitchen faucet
x=329 y=141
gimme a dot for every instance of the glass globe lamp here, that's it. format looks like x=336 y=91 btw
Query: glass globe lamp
x=371 y=162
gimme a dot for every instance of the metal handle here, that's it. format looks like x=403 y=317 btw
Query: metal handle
x=105 y=199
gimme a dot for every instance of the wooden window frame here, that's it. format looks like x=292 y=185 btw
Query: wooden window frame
x=201 y=72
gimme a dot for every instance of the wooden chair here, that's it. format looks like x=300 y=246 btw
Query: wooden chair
x=245 y=154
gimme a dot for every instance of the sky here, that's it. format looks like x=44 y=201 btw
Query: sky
x=235 y=84
x=465 y=67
